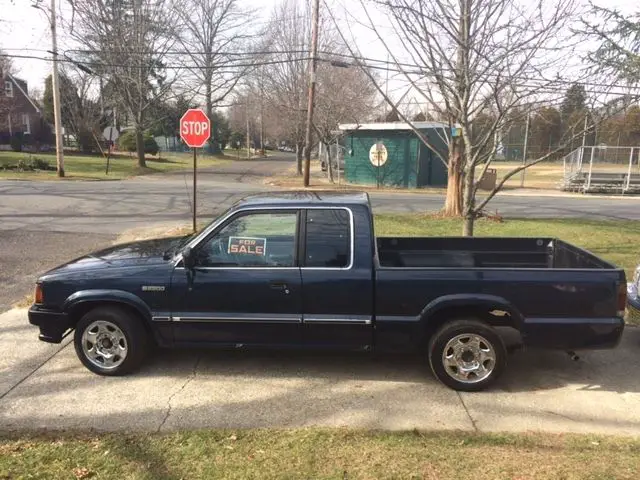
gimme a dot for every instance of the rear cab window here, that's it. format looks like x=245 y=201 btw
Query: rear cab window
x=328 y=238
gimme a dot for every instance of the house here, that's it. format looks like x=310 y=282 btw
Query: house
x=391 y=154
x=20 y=116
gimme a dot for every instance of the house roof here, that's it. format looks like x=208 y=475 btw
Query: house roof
x=16 y=82
x=391 y=126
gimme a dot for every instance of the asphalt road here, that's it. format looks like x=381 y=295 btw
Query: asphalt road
x=111 y=207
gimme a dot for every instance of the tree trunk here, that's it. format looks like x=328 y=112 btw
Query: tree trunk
x=453 y=200
x=469 y=204
x=299 y=147
x=329 y=162
x=213 y=145
x=140 y=147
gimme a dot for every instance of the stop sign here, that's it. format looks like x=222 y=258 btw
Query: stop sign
x=195 y=128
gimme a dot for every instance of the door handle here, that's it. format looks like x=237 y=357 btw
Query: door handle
x=282 y=286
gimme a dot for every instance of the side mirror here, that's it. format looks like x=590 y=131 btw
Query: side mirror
x=188 y=258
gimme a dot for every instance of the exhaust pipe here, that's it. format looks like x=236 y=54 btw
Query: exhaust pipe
x=573 y=355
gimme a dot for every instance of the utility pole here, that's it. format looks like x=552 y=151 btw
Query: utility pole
x=55 y=85
x=386 y=89
x=248 y=134
x=262 y=150
x=312 y=90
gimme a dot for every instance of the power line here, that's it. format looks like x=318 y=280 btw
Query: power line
x=544 y=86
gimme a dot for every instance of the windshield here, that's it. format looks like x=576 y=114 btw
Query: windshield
x=173 y=251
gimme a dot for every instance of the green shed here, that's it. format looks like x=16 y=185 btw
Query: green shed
x=403 y=159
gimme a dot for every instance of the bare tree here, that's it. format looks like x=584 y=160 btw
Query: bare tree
x=343 y=95
x=81 y=113
x=473 y=58
x=285 y=81
x=6 y=103
x=126 y=42
x=214 y=35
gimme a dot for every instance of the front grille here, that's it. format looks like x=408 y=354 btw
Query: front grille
x=632 y=315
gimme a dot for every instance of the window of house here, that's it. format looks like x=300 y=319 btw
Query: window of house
x=26 y=122
x=8 y=88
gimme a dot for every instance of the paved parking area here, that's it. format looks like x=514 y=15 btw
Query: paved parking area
x=44 y=386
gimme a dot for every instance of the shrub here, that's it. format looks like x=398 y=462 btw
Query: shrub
x=150 y=145
x=86 y=141
x=23 y=165
x=127 y=142
x=16 y=142
x=38 y=163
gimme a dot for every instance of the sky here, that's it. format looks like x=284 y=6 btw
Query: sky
x=25 y=31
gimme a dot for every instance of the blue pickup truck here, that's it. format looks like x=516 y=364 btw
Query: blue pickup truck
x=304 y=270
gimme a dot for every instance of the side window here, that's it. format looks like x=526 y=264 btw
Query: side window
x=252 y=240
x=328 y=242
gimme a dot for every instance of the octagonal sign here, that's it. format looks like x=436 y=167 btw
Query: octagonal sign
x=195 y=128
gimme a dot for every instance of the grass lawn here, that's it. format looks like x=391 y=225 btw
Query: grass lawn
x=318 y=453
x=83 y=167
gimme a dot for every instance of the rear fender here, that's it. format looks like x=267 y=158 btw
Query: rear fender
x=487 y=303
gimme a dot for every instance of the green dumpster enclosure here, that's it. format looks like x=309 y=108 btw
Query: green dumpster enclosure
x=391 y=154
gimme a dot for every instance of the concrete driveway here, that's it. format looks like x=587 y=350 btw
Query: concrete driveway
x=45 y=386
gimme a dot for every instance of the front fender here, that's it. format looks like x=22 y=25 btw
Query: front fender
x=491 y=302
x=112 y=296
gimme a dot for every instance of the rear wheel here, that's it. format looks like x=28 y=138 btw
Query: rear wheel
x=467 y=355
x=111 y=341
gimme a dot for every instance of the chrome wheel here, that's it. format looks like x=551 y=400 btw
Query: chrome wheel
x=104 y=344
x=469 y=358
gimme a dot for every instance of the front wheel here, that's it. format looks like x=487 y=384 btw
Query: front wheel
x=110 y=341
x=467 y=355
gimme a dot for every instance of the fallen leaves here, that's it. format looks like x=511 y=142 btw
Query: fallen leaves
x=82 y=472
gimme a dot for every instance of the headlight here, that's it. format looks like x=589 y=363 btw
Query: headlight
x=38 y=298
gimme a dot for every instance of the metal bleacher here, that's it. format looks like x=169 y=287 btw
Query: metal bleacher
x=589 y=170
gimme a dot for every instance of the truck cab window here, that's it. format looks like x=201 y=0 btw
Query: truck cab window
x=328 y=242
x=252 y=240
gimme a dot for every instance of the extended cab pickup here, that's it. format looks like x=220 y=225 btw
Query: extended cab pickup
x=303 y=269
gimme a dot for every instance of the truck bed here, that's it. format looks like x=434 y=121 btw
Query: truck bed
x=484 y=252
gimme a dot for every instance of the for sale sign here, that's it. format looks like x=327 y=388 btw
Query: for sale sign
x=247 y=245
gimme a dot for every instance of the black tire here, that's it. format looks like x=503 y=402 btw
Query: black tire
x=136 y=340
x=490 y=339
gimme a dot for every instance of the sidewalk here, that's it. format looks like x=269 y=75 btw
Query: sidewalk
x=45 y=387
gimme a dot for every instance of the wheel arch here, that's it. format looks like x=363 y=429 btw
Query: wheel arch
x=493 y=310
x=82 y=302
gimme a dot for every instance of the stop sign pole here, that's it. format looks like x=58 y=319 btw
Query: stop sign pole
x=195 y=130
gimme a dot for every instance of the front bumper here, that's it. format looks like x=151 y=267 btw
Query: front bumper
x=633 y=304
x=53 y=325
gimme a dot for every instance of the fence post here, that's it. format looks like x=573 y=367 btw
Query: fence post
x=593 y=151
x=624 y=189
